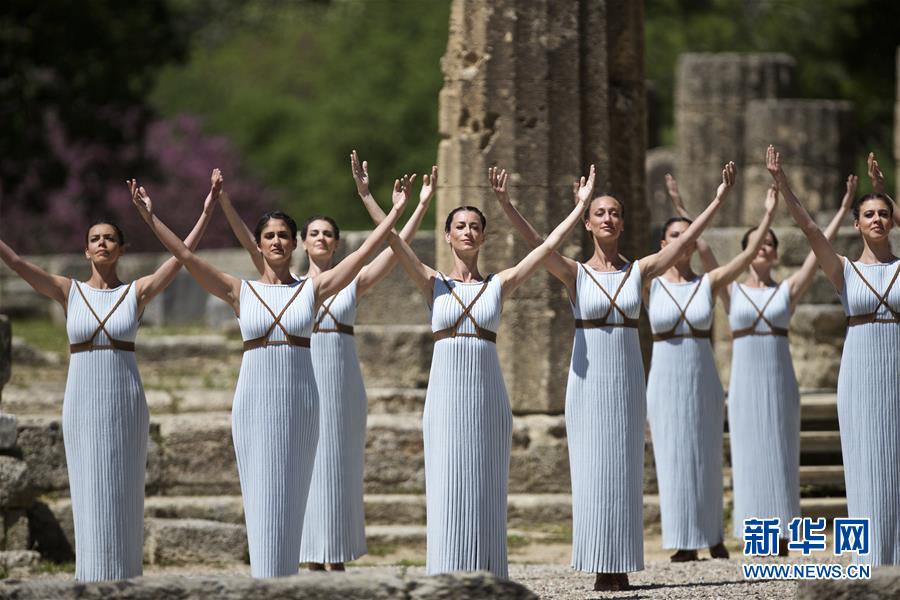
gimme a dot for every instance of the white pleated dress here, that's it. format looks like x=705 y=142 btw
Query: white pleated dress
x=275 y=424
x=105 y=428
x=869 y=406
x=763 y=408
x=334 y=529
x=467 y=427
x=685 y=408
x=605 y=412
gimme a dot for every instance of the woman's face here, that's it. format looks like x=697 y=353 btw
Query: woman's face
x=767 y=255
x=675 y=231
x=605 y=220
x=466 y=233
x=875 y=220
x=321 y=240
x=103 y=245
x=276 y=243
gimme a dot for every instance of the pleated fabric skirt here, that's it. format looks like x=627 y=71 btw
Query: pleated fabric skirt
x=686 y=412
x=869 y=417
x=275 y=427
x=105 y=428
x=334 y=527
x=605 y=412
x=467 y=428
x=764 y=432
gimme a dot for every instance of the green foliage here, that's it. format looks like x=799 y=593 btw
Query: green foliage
x=845 y=49
x=298 y=85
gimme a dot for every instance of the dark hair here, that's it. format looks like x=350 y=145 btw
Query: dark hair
x=329 y=220
x=115 y=227
x=874 y=196
x=473 y=209
x=587 y=211
x=746 y=238
x=672 y=221
x=275 y=214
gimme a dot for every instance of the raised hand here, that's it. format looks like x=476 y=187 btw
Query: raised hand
x=875 y=174
x=584 y=188
x=216 y=182
x=498 y=179
x=729 y=176
x=360 y=174
x=402 y=189
x=773 y=162
x=140 y=199
x=850 y=194
x=675 y=196
x=429 y=186
x=771 y=198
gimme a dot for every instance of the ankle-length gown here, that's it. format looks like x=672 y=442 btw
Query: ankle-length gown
x=763 y=408
x=868 y=397
x=275 y=421
x=467 y=426
x=605 y=411
x=105 y=429
x=334 y=528
x=685 y=408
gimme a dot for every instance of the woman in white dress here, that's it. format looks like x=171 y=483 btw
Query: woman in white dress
x=105 y=418
x=275 y=418
x=868 y=391
x=605 y=396
x=467 y=424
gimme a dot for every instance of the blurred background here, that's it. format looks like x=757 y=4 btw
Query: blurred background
x=277 y=92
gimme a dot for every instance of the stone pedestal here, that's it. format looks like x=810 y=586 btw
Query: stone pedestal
x=543 y=89
x=814 y=138
x=711 y=94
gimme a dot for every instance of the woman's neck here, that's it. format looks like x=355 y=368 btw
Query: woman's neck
x=104 y=277
x=318 y=265
x=876 y=253
x=680 y=272
x=277 y=275
x=465 y=268
x=606 y=256
x=759 y=277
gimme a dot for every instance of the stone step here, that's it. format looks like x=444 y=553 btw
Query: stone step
x=396 y=356
x=829 y=508
x=192 y=454
x=814 y=479
x=818 y=407
x=812 y=442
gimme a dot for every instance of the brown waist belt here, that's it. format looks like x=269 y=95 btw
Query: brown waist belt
x=338 y=328
x=480 y=333
x=776 y=331
x=704 y=334
x=112 y=345
x=597 y=323
x=870 y=318
x=262 y=342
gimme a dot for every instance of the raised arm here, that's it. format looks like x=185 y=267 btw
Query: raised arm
x=53 y=286
x=150 y=286
x=721 y=277
x=378 y=269
x=215 y=282
x=335 y=279
x=800 y=281
x=563 y=268
x=515 y=276
x=655 y=264
x=242 y=233
x=877 y=177
x=825 y=254
x=707 y=258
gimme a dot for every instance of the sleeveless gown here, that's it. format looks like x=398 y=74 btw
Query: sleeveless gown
x=685 y=408
x=334 y=527
x=763 y=409
x=275 y=425
x=605 y=412
x=467 y=427
x=869 y=406
x=105 y=430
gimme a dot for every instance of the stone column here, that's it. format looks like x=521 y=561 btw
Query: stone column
x=543 y=89
x=814 y=138
x=711 y=93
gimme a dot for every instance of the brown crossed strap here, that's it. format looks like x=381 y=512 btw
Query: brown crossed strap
x=113 y=344
x=760 y=316
x=602 y=321
x=872 y=317
x=480 y=332
x=338 y=326
x=694 y=331
x=290 y=340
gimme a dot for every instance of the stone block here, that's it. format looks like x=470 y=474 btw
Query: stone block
x=197 y=454
x=395 y=355
x=14 y=535
x=5 y=354
x=16 y=490
x=191 y=541
x=8 y=431
x=394 y=454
